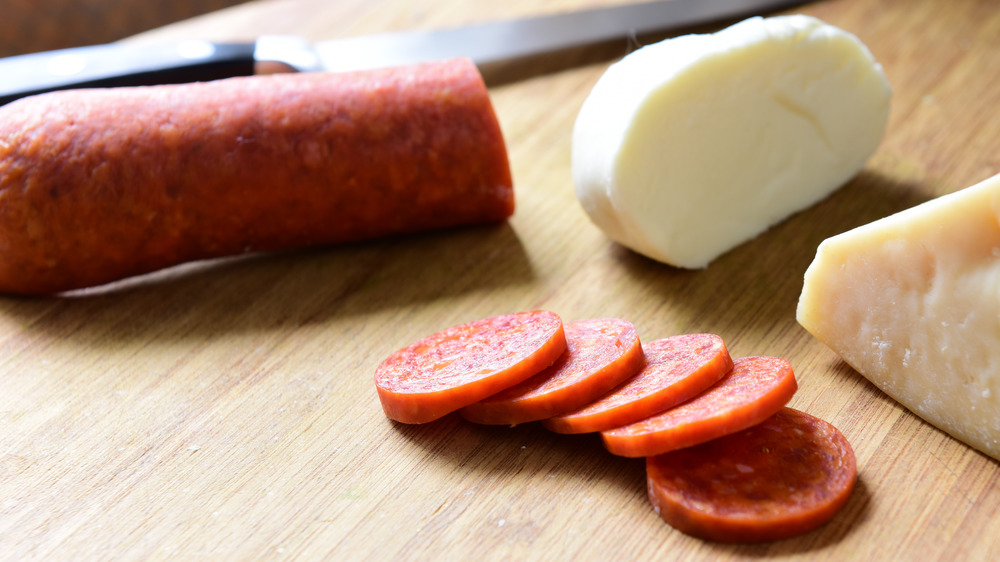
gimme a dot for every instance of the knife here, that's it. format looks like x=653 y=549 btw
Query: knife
x=489 y=45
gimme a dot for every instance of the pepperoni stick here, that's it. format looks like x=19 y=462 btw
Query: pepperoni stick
x=677 y=368
x=101 y=184
x=754 y=390
x=781 y=478
x=466 y=363
x=600 y=354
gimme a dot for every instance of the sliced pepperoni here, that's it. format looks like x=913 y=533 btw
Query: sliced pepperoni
x=754 y=390
x=781 y=478
x=677 y=369
x=600 y=354
x=466 y=363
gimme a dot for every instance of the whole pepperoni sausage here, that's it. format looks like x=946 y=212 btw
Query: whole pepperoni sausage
x=781 y=478
x=97 y=185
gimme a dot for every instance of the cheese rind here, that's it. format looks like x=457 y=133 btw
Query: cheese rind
x=912 y=302
x=688 y=147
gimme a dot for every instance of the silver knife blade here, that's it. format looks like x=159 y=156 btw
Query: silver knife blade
x=488 y=45
x=504 y=41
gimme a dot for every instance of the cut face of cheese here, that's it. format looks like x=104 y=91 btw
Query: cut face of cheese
x=686 y=148
x=912 y=302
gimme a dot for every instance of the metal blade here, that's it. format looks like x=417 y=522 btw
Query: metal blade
x=492 y=45
x=504 y=41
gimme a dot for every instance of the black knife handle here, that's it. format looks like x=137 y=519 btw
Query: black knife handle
x=122 y=65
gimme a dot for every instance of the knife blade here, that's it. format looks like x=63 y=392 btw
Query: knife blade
x=489 y=45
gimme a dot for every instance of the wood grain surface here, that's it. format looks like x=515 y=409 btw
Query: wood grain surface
x=226 y=410
x=36 y=25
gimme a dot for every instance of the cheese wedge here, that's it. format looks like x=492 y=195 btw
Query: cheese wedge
x=912 y=302
x=686 y=148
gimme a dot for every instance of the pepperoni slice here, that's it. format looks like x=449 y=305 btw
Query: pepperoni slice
x=781 y=478
x=466 y=363
x=677 y=369
x=600 y=354
x=754 y=390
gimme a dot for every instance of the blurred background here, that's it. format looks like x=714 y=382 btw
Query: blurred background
x=27 y=26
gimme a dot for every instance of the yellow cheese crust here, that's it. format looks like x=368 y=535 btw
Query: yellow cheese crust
x=912 y=302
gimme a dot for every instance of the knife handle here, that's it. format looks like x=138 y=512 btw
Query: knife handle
x=120 y=64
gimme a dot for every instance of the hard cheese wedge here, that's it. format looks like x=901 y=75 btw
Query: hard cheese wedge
x=912 y=301
x=688 y=147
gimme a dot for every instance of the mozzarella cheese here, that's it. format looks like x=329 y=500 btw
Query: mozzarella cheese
x=912 y=302
x=691 y=146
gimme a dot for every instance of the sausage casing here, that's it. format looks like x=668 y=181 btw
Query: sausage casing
x=102 y=184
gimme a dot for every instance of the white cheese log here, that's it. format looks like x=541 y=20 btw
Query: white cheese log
x=686 y=148
x=912 y=302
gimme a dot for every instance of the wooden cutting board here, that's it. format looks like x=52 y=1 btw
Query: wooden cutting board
x=226 y=410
